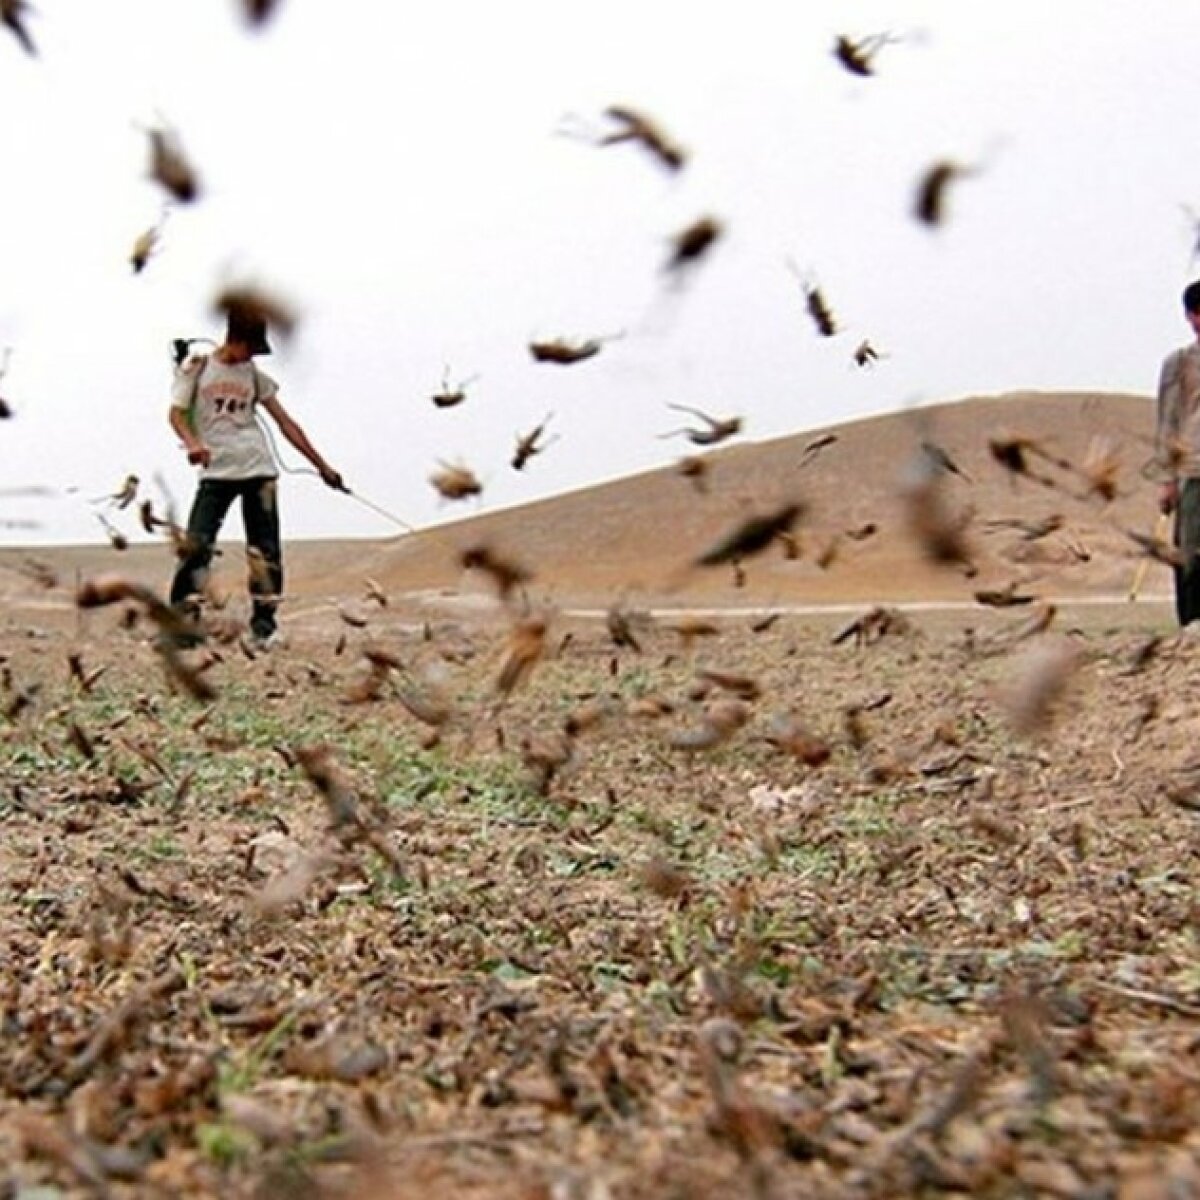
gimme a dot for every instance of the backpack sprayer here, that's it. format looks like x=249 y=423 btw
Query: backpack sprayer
x=182 y=347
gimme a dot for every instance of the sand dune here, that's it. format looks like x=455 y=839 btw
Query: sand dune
x=637 y=533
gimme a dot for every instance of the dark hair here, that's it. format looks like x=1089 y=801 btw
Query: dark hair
x=1191 y=297
x=249 y=329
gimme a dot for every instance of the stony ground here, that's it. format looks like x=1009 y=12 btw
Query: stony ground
x=481 y=907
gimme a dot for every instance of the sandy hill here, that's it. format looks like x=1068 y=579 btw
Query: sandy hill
x=637 y=534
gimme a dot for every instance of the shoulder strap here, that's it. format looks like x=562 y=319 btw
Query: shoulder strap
x=201 y=361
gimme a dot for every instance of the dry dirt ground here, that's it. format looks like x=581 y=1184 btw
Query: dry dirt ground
x=746 y=911
x=459 y=897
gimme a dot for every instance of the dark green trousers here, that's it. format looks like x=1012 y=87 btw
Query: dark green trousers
x=260 y=517
x=1187 y=542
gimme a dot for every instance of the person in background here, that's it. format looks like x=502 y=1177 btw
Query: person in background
x=214 y=404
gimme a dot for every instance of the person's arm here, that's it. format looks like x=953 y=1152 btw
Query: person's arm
x=183 y=397
x=290 y=428
x=1166 y=431
x=197 y=452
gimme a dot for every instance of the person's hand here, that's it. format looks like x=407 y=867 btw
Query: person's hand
x=1168 y=497
x=199 y=455
x=332 y=479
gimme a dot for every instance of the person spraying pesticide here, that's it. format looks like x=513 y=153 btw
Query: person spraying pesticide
x=215 y=399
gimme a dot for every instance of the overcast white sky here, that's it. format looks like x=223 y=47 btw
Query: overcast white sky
x=398 y=172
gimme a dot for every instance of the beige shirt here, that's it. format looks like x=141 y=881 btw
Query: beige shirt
x=1177 y=434
x=221 y=399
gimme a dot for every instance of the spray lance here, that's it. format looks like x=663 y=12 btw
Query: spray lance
x=340 y=486
x=375 y=508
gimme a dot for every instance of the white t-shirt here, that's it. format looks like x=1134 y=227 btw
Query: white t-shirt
x=221 y=398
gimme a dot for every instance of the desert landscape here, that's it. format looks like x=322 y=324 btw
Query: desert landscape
x=860 y=862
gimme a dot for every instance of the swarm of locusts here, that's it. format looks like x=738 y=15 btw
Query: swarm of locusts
x=559 y=855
